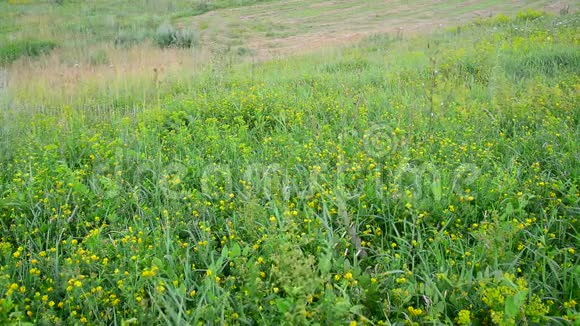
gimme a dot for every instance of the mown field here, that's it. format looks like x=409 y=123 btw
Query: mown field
x=419 y=180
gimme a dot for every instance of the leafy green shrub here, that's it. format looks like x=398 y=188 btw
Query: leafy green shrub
x=529 y=14
x=165 y=35
x=14 y=50
x=168 y=36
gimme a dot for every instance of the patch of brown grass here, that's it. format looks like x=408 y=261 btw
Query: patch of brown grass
x=60 y=78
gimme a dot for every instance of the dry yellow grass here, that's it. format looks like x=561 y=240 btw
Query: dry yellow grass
x=141 y=69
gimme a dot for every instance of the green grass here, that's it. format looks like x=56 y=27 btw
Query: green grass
x=11 y=51
x=80 y=24
x=429 y=180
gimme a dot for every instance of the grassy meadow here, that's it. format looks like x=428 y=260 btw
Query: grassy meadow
x=400 y=180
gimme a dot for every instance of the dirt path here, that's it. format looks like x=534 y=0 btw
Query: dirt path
x=282 y=28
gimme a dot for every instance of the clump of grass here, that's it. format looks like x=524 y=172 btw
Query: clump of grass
x=13 y=50
x=244 y=51
x=128 y=38
x=169 y=36
x=379 y=42
x=549 y=61
x=98 y=57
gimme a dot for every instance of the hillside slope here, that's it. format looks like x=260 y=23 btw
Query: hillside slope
x=425 y=180
x=80 y=53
